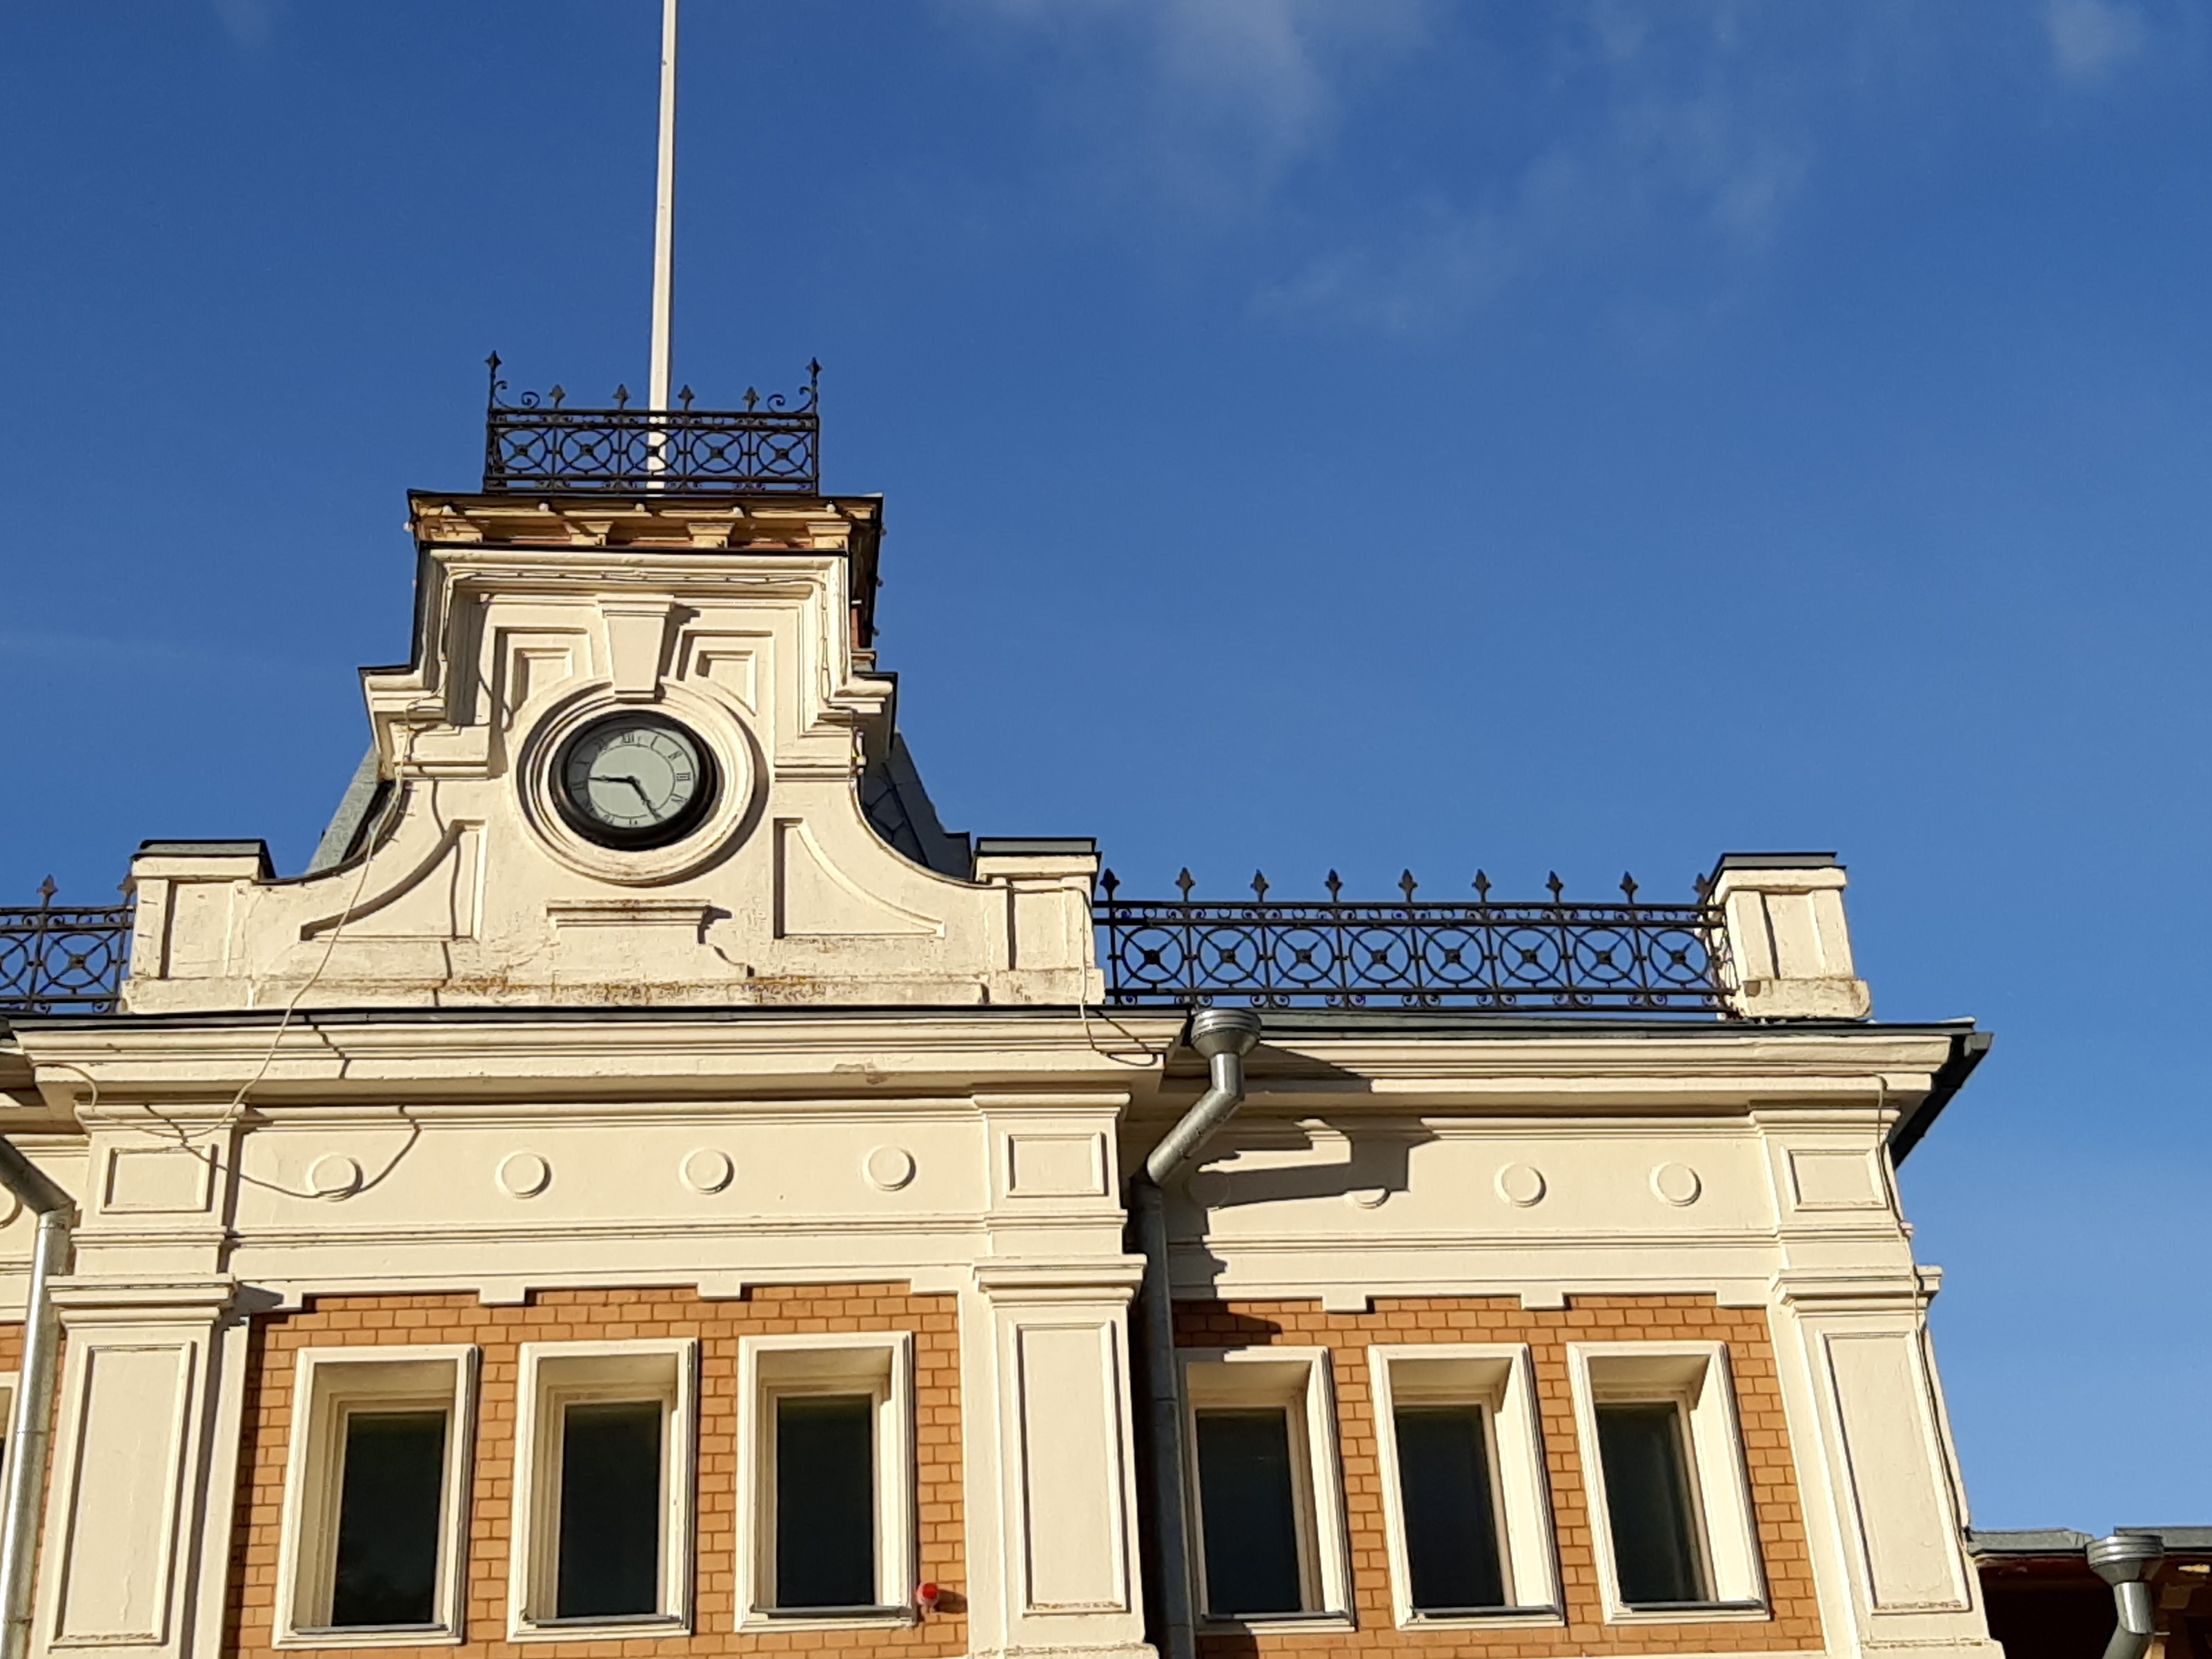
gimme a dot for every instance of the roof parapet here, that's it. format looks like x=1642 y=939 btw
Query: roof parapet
x=1786 y=944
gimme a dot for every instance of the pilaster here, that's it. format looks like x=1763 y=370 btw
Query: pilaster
x=127 y=1533
x=1054 y=1510
x=1066 y=1509
x=1885 y=1511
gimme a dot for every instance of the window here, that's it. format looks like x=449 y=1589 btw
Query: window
x=376 y=1489
x=1465 y=1502
x=603 y=1489
x=1644 y=1453
x=1664 y=1466
x=9 y=1381
x=1249 y=1499
x=826 y=1456
x=1268 y=1523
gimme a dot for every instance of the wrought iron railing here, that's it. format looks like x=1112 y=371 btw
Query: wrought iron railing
x=62 y=958
x=771 y=447
x=1553 y=956
x=1548 y=957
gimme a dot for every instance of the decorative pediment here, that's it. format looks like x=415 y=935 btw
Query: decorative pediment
x=624 y=763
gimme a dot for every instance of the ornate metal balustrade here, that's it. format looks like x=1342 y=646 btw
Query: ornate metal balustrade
x=1544 y=957
x=772 y=447
x=60 y=958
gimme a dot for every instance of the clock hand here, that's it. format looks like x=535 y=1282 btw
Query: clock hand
x=602 y=778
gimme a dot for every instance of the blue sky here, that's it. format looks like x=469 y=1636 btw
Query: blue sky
x=1574 y=436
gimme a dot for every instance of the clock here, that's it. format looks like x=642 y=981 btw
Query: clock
x=634 y=781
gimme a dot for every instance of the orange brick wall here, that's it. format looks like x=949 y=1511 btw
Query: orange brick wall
x=610 y=1315
x=1795 y=1624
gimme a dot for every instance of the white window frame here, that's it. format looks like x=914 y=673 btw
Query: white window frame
x=1500 y=1379
x=329 y=1385
x=1301 y=1380
x=877 y=1363
x=554 y=1376
x=1694 y=1377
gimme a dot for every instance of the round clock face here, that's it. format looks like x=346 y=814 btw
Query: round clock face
x=634 y=781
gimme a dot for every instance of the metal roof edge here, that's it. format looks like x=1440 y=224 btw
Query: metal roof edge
x=2028 y=1540
x=1968 y=1050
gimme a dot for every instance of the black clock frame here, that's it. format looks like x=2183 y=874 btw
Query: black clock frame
x=659 y=835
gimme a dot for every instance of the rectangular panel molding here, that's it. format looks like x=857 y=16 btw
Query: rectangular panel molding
x=1056 y=1166
x=1075 y=1533
x=119 y=1531
x=1834 y=1180
x=159 y=1180
x=1897 y=1478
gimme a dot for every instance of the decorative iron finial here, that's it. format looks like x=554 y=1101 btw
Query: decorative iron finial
x=752 y=397
x=621 y=397
x=558 y=392
x=496 y=385
x=1185 y=882
x=1628 y=886
x=1557 y=886
x=47 y=891
x=1260 y=886
x=685 y=397
x=1407 y=885
x=1333 y=886
x=1482 y=887
x=1111 y=882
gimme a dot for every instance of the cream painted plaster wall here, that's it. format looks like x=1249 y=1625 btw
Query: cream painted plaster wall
x=474 y=891
x=978 y=1154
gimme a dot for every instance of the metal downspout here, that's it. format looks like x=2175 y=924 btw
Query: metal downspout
x=1225 y=1036
x=2126 y=1561
x=30 y=1422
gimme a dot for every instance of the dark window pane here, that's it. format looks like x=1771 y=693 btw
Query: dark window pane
x=825 y=1501
x=1451 y=1524
x=610 y=1514
x=388 y=1500
x=1248 y=1502
x=1647 y=1497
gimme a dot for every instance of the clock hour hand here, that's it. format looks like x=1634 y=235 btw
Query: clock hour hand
x=597 y=777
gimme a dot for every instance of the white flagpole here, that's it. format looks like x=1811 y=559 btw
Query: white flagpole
x=664 y=222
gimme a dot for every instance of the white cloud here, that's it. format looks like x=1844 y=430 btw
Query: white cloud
x=1659 y=139
x=2090 y=38
x=1441 y=270
x=1678 y=139
x=1227 y=94
x=251 y=24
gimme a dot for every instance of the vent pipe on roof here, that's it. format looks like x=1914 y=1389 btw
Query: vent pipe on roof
x=30 y=1424
x=1225 y=1036
x=2126 y=1561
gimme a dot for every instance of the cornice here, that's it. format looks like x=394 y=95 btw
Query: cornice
x=576 y=1057
x=864 y=1054
x=1856 y=1051
x=675 y=524
x=1113 y=1278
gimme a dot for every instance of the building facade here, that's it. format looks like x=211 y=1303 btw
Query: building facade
x=649 y=1189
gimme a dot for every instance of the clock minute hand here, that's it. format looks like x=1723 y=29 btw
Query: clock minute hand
x=601 y=778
